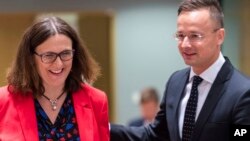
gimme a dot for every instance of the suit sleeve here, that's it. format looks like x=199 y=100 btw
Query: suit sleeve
x=239 y=88
x=156 y=131
x=242 y=110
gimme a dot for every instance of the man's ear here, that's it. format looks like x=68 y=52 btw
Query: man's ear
x=220 y=36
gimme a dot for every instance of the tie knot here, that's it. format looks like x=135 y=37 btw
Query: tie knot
x=197 y=80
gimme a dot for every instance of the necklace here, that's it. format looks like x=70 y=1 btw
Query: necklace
x=53 y=102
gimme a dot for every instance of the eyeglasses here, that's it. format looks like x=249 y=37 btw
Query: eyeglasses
x=192 y=37
x=50 y=57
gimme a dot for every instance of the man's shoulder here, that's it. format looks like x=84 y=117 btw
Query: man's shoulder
x=240 y=79
x=181 y=73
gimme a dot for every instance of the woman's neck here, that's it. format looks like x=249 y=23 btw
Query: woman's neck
x=53 y=92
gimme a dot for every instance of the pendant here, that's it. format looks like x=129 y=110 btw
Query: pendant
x=54 y=107
x=53 y=104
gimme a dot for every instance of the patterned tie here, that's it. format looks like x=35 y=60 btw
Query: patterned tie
x=189 y=118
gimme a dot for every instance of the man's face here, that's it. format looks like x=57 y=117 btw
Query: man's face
x=199 y=39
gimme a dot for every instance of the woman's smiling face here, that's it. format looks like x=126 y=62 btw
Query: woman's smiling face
x=55 y=73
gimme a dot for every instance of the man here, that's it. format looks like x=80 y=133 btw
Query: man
x=149 y=103
x=219 y=97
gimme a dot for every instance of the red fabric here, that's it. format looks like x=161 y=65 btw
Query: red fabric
x=18 y=120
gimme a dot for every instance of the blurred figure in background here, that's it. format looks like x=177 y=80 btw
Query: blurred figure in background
x=149 y=106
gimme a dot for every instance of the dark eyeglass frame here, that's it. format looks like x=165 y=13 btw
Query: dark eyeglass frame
x=60 y=55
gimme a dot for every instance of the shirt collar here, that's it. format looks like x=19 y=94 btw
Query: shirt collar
x=210 y=73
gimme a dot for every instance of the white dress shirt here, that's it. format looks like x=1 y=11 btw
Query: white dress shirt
x=208 y=77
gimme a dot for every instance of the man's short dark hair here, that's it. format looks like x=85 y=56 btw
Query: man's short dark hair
x=213 y=6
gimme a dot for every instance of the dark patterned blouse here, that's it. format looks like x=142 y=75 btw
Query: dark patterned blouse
x=65 y=127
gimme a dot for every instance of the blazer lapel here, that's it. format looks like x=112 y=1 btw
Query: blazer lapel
x=216 y=91
x=176 y=89
x=84 y=115
x=27 y=115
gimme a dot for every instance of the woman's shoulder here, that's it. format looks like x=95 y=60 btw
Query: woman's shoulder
x=4 y=94
x=94 y=93
x=7 y=94
x=6 y=98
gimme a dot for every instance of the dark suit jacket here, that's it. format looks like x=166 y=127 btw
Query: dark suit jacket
x=228 y=102
x=136 y=122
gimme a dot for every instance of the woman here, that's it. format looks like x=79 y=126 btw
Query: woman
x=48 y=96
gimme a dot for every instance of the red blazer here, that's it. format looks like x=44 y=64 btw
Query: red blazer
x=18 y=118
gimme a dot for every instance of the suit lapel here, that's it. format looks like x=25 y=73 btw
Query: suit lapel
x=176 y=90
x=27 y=115
x=84 y=115
x=215 y=93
